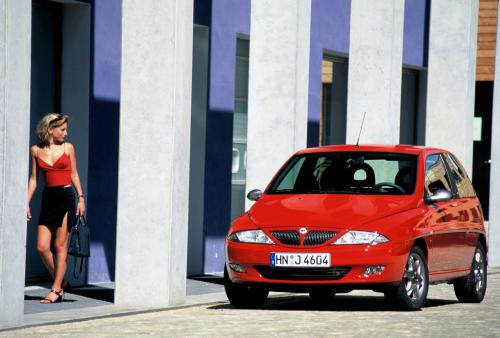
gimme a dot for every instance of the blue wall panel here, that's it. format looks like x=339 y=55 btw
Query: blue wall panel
x=330 y=28
x=416 y=33
x=228 y=19
x=103 y=138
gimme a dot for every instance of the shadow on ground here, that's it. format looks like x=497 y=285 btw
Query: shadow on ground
x=209 y=279
x=340 y=303
x=39 y=298
x=95 y=292
x=89 y=291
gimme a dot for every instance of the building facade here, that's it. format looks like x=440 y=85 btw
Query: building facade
x=179 y=108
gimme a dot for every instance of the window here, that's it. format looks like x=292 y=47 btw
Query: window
x=348 y=173
x=462 y=182
x=436 y=177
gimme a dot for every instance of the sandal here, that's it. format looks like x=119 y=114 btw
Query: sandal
x=58 y=293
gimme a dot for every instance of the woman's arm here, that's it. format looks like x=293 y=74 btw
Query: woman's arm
x=75 y=179
x=32 y=181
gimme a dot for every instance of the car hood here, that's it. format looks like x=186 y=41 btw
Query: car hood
x=326 y=210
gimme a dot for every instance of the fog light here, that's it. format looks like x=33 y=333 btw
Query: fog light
x=371 y=270
x=237 y=267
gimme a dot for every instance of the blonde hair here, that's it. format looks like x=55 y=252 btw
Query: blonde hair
x=51 y=120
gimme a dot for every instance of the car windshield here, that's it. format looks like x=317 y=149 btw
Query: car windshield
x=347 y=173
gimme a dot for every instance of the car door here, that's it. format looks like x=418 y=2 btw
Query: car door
x=468 y=211
x=446 y=235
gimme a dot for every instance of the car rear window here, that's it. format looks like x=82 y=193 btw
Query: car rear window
x=347 y=173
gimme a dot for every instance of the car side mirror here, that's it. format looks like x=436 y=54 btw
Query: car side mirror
x=439 y=196
x=254 y=195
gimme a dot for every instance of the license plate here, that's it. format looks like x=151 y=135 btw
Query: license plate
x=300 y=259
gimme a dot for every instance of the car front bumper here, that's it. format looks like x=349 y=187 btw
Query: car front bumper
x=348 y=264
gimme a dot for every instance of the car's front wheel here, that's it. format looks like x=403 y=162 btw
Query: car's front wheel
x=242 y=295
x=412 y=291
x=473 y=288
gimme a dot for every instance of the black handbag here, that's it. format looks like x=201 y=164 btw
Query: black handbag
x=79 y=243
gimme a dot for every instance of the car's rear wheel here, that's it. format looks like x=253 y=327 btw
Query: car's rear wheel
x=412 y=291
x=473 y=288
x=242 y=295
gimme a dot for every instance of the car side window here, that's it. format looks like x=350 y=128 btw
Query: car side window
x=462 y=182
x=436 y=176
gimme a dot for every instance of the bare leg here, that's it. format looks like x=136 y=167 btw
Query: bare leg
x=59 y=268
x=43 y=246
x=44 y=236
x=61 y=244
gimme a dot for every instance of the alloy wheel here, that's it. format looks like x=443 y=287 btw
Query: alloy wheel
x=478 y=268
x=414 y=277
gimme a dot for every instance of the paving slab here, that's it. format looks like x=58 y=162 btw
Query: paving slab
x=360 y=313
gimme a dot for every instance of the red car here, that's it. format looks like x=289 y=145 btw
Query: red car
x=392 y=219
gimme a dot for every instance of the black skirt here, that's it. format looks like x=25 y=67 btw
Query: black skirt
x=56 y=202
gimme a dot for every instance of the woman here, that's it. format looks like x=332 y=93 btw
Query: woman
x=56 y=159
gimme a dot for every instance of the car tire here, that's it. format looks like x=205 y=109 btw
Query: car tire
x=411 y=293
x=323 y=297
x=242 y=295
x=473 y=288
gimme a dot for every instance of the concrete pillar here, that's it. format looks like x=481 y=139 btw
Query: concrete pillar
x=15 y=58
x=494 y=214
x=375 y=70
x=277 y=85
x=451 y=77
x=153 y=182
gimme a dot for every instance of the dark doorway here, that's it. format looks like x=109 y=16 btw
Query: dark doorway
x=409 y=106
x=482 y=142
x=333 y=117
x=46 y=42
x=60 y=83
x=413 y=115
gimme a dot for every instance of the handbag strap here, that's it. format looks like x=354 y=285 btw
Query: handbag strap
x=81 y=220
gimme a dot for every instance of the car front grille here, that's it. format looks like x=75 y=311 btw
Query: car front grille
x=313 y=237
x=317 y=237
x=286 y=273
x=288 y=237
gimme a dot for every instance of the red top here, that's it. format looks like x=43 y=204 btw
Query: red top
x=58 y=174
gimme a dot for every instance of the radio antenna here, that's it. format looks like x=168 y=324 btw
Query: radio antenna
x=360 y=129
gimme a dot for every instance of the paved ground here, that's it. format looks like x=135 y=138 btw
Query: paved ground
x=95 y=301
x=80 y=298
x=359 y=313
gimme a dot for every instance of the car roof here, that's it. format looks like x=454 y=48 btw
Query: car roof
x=398 y=148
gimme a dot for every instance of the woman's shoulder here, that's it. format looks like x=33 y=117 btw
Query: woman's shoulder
x=68 y=147
x=34 y=149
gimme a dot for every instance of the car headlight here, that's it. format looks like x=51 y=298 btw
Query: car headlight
x=251 y=236
x=361 y=237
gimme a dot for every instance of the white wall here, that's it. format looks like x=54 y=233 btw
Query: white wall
x=15 y=54
x=277 y=86
x=375 y=70
x=451 y=77
x=153 y=173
